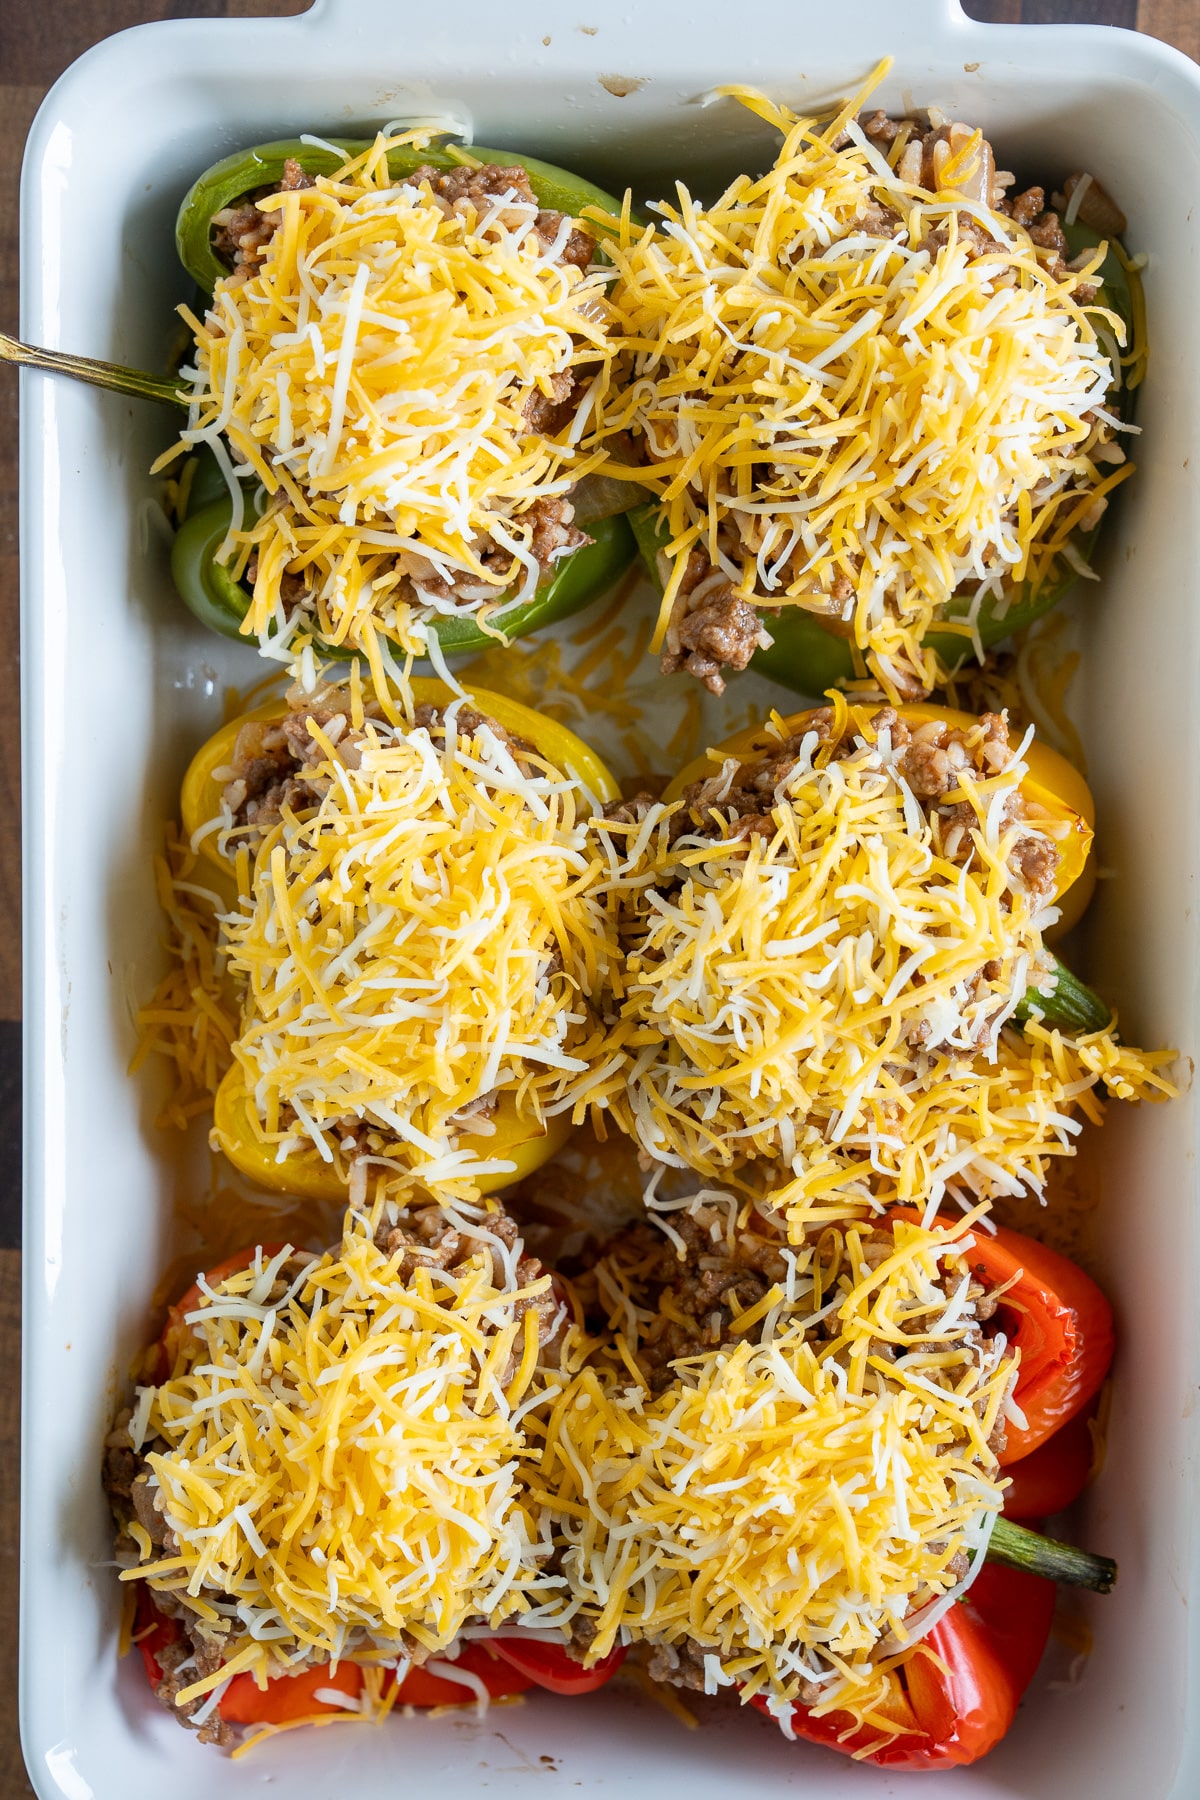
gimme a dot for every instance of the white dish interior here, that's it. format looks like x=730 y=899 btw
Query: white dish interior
x=120 y=686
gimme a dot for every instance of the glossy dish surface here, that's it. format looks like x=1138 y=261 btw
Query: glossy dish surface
x=120 y=686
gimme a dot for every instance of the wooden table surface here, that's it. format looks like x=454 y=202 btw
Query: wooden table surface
x=37 y=42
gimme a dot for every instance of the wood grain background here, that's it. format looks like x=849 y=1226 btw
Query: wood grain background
x=37 y=42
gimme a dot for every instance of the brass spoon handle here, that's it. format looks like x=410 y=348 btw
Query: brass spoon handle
x=101 y=374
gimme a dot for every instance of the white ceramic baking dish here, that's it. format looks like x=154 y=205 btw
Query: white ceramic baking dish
x=119 y=686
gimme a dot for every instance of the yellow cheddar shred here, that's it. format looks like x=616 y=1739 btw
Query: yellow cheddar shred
x=192 y=1017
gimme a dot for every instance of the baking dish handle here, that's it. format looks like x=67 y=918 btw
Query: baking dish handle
x=880 y=21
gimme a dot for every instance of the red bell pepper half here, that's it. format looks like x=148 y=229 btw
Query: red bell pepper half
x=505 y=1666
x=955 y=1705
x=1060 y=1322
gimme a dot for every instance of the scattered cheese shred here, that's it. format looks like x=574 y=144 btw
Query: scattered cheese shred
x=856 y=395
x=830 y=995
x=787 y=1509
x=336 y=1452
x=373 y=372
x=420 y=949
x=192 y=1017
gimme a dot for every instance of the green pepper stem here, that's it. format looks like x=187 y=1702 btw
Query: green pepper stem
x=101 y=374
x=1070 y=1006
x=1018 y=1548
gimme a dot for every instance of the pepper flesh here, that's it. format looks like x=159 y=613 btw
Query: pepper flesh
x=291 y=1699
x=554 y=1669
x=1056 y=1317
x=515 y=1138
x=1052 y=1477
x=1061 y=1323
x=956 y=1693
x=262 y=166
x=1053 y=789
x=217 y=600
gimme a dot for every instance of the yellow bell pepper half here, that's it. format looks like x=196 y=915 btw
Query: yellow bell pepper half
x=1053 y=790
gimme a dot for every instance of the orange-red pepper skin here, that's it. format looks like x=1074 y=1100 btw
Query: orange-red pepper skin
x=289 y=1698
x=1061 y=1323
x=422 y=1687
x=1052 y=1477
x=550 y=1666
x=958 y=1702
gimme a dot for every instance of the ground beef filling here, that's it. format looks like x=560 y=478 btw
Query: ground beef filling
x=425 y=1238
x=712 y=627
x=240 y=235
x=276 y=763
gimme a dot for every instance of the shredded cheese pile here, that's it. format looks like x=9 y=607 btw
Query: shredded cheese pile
x=336 y=1452
x=833 y=997
x=419 y=947
x=790 y=1501
x=372 y=372
x=858 y=396
x=192 y=1016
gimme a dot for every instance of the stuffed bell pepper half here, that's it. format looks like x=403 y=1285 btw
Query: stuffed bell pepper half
x=417 y=934
x=837 y=983
x=881 y=399
x=318 y=1487
x=781 y=1462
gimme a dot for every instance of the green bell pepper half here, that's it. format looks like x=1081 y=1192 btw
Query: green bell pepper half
x=207 y=587
x=808 y=657
x=218 y=601
x=246 y=171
